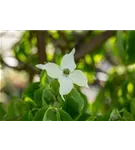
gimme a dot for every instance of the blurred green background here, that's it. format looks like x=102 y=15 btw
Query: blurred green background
x=106 y=57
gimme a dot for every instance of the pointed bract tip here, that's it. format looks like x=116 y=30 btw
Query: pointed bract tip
x=37 y=65
x=73 y=50
x=40 y=66
x=63 y=97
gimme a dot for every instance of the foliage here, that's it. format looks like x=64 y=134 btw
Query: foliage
x=41 y=101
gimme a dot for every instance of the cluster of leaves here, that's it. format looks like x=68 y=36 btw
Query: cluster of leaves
x=116 y=101
x=41 y=101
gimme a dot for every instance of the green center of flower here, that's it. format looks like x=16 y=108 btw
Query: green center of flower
x=66 y=71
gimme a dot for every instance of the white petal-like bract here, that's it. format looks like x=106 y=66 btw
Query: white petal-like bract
x=41 y=66
x=52 y=70
x=68 y=62
x=66 y=86
x=79 y=78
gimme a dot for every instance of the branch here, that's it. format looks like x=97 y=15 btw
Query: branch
x=81 y=38
x=41 y=46
x=21 y=66
x=92 y=44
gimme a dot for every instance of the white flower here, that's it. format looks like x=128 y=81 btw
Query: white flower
x=65 y=73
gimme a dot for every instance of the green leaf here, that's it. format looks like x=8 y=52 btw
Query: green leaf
x=127 y=116
x=60 y=103
x=2 y=112
x=84 y=117
x=29 y=103
x=120 y=45
x=86 y=110
x=15 y=109
x=64 y=115
x=132 y=106
x=103 y=116
x=98 y=105
x=115 y=115
x=38 y=96
x=74 y=103
x=48 y=96
x=43 y=78
x=29 y=92
x=27 y=116
x=131 y=47
x=55 y=87
x=40 y=114
x=30 y=116
x=92 y=118
x=52 y=114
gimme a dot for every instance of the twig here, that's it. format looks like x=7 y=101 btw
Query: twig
x=92 y=44
x=21 y=66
